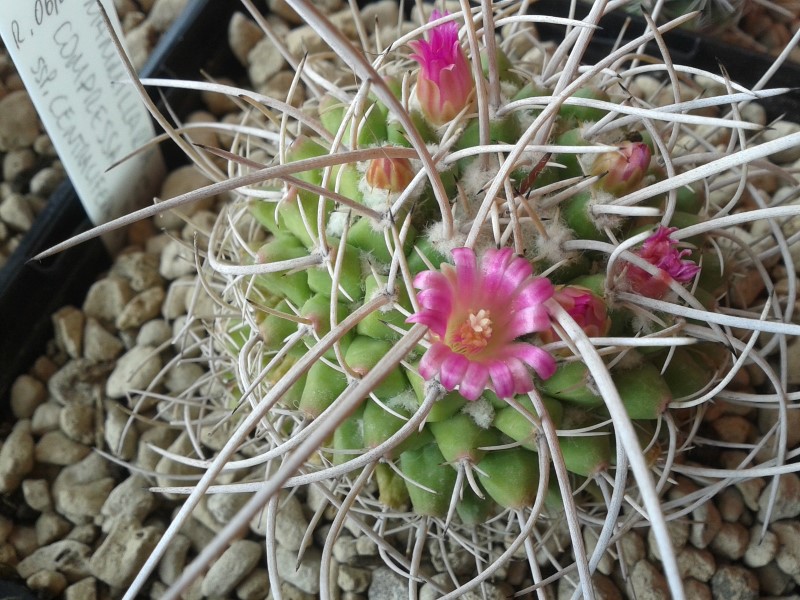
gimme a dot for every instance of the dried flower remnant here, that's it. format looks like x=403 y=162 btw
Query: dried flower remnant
x=476 y=315
x=444 y=83
x=660 y=250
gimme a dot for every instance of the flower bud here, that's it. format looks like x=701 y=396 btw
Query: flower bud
x=624 y=169
x=391 y=174
x=444 y=83
x=585 y=307
x=659 y=250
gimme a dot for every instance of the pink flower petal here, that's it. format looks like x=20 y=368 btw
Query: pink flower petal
x=502 y=379
x=539 y=360
x=427 y=279
x=522 y=378
x=437 y=322
x=474 y=381
x=431 y=362
x=535 y=291
x=436 y=298
x=467 y=276
x=453 y=370
x=528 y=320
x=494 y=265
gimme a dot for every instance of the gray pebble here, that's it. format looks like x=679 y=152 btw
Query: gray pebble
x=23 y=539
x=697 y=564
x=17 y=164
x=142 y=307
x=106 y=299
x=172 y=564
x=47 y=584
x=772 y=580
x=51 y=527
x=235 y=564
x=291 y=523
x=65 y=556
x=19 y=125
x=243 y=34
x=46 y=418
x=99 y=344
x=678 y=534
x=648 y=583
x=85 y=589
x=175 y=303
x=122 y=554
x=696 y=590
x=730 y=505
x=55 y=448
x=131 y=498
x=17 y=212
x=121 y=438
x=79 y=380
x=780 y=129
x=760 y=550
x=788 y=557
x=139 y=269
x=255 y=586
x=81 y=504
x=787 y=500
x=734 y=583
x=68 y=327
x=304 y=576
x=183 y=376
x=16 y=456
x=154 y=333
x=27 y=393
x=37 y=494
x=353 y=579
x=45 y=181
x=387 y=585
x=134 y=371
x=344 y=550
x=77 y=422
x=223 y=507
x=706 y=523
x=731 y=541
x=177 y=260
x=264 y=61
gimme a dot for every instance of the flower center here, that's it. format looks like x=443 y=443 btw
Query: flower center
x=474 y=333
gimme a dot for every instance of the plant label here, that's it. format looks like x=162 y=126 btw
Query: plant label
x=69 y=64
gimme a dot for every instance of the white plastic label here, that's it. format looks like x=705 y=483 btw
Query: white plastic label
x=67 y=60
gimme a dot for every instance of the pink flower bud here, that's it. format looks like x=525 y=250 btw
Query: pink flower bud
x=624 y=169
x=392 y=174
x=583 y=305
x=659 y=250
x=444 y=83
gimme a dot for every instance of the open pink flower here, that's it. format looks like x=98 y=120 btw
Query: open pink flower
x=585 y=307
x=476 y=315
x=444 y=83
x=659 y=250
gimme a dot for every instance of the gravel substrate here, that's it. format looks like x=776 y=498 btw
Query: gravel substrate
x=77 y=524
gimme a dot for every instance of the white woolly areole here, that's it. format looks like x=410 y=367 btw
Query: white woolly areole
x=476 y=177
x=406 y=400
x=601 y=221
x=442 y=244
x=335 y=225
x=551 y=248
x=481 y=411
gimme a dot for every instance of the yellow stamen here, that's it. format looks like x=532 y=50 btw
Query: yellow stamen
x=474 y=333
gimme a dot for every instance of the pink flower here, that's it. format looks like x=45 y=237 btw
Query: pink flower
x=585 y=307
x=624 y=169
x=475 y=316
x=444 y=83
x=659 y=250
x=392 y=174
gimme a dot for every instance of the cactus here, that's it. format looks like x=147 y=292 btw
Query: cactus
x=475 y=288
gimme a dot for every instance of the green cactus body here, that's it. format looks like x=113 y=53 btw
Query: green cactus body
x=292 y=286
x=444 y=407
x=376 y=324
x=517 y=426
x=510 y=477
x=323 y=385
x=460 y=438
x=392 y=490
x=427 y=467
x=350 y=280
x=348 y=438
x=380 y=425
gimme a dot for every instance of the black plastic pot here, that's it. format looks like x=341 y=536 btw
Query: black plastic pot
x=31 y=291
x=686 y=48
